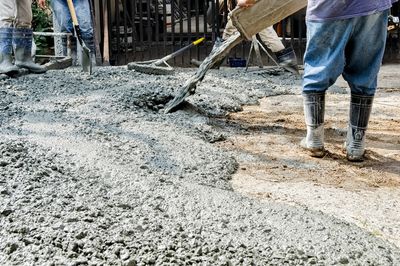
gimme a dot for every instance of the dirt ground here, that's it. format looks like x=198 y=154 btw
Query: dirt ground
x=273 y=167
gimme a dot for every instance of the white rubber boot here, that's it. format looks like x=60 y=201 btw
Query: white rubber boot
x=314 y=110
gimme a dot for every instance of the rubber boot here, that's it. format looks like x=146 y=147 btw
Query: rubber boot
x=22 y=41
x=64 y=45
x=74 y=50
x=6 y=65
x=360 y=110
x=314 y=110
x=287 y=59
x=68 y=45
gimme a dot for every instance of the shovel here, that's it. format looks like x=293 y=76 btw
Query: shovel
x=160 y=66
x=86 y=62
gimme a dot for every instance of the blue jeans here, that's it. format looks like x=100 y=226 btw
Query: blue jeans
x=350 y=47
x=63 y=17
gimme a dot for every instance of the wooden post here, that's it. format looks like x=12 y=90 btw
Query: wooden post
x=106 y=46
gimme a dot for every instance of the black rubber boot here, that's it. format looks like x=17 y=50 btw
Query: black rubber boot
x=22 y=41
x=64 y=45
x=73 y=46
x=360 y=110
x=6 y=65
x=288 y=60
x=314 y=110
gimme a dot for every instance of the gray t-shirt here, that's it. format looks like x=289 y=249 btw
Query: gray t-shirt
x=322 y=10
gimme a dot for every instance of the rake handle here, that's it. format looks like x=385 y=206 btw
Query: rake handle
x=174 y=54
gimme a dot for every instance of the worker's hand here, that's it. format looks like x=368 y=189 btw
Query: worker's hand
x=42 y=4
x=246 y=3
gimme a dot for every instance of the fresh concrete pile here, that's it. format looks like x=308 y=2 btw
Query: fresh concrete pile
x=92 y=172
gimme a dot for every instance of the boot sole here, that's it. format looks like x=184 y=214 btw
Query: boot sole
x=313 y=152
x=38 y=71
x=355 y=159
x=351 y=158
x=316 y=153
x=34 y=71
x=11 y=73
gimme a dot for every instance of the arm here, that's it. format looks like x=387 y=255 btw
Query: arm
x=246 y=3
x=42 y=3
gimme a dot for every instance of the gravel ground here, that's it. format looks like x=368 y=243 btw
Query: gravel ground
x=93 y=173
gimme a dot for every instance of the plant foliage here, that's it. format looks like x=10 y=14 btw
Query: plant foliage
x=42 y=22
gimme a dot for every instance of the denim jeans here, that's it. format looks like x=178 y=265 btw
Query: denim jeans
x=350 y=47
x=63 y=17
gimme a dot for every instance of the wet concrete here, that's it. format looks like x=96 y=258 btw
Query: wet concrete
x=93 y=172
x=218 y=53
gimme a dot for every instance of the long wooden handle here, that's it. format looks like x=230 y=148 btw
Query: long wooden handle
x=106 y=48
x=73 y=13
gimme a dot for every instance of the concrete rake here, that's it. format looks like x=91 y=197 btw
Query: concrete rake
x=160 y=66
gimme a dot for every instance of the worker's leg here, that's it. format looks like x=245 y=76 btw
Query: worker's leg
x=271 y=39
x=7 y=17
x=324 y=58
x=22 y=38
x=23 y=18
x=364 y=54
x=84 y=16
x=323 y=63
x=229 y=30
x=8 y=11
x=63 y=17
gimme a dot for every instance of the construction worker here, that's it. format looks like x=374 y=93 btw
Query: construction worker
x=63 y=17
x=286 y=56
x=343 y=38
x=16 y=35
